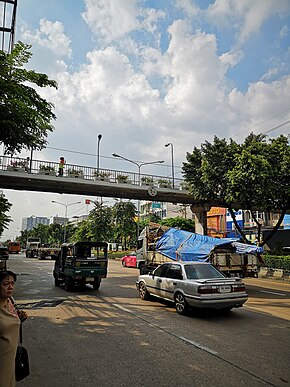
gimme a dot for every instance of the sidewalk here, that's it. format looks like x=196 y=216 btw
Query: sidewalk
x=274 y=274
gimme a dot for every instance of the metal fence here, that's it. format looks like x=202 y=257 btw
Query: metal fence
x=49 y=168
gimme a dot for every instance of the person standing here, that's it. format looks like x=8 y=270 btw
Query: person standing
x=61 y=166
x=10 y=319
x=26 y=164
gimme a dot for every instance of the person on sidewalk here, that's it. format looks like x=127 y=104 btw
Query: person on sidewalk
x=10 y=319
x=61 y=166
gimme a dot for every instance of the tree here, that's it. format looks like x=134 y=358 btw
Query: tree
x=253 y=175
x=41 y=231
x=179 y=222
x=98 y=226
x=24 y=116
x=125 y=227
x=4 y=219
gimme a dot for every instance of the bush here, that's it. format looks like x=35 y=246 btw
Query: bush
x=277 y=261
x=118 y=254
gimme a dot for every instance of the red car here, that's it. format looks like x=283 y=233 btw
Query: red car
x=129 y=260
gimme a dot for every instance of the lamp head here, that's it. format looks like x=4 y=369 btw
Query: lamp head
x=115 y=155
x=166 y=145
x=99 y=137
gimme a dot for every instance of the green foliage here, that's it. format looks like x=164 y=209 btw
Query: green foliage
x=252 y=176
x=277 y=261
x=259 y=177
x=4 y=219
x=24 y=116
x=178 y=222
x=125 y=227
x=98 y=226
x=52 y=234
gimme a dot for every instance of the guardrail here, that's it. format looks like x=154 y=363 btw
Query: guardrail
x=49 y=168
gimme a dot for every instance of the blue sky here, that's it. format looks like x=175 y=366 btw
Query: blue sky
x=145 y=73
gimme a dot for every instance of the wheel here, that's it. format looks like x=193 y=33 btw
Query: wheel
x=56 y=282
x=143 y=292
x=96 y=284
x=124 y=263
x=181 y=304
x=68 y=285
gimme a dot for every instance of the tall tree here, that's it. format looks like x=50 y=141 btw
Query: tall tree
x=125 y=227
x=98 y=226
x=25 y=117
x=253 y=175
x=179 y=222
x=4 y=208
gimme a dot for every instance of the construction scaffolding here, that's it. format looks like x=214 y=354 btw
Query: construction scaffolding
x=8 y=22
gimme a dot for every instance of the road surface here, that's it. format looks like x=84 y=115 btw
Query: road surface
x=111 y=337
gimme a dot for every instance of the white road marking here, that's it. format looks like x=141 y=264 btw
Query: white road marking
x=277 y=294
x=122 y=308
x=195 y=344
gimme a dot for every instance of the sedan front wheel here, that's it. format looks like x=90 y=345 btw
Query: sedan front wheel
x=181 y=304
x=143 y=292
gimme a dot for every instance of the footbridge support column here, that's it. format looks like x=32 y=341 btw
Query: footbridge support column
x=200 y=217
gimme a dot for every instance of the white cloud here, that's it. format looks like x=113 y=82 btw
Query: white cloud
x=245 y=16
x=111 y=19
x=141 y=96
x=189 y=8
x=284 y=32
x=261 y=101
x=50 y=35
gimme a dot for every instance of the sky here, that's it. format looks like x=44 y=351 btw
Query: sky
x=145 y=73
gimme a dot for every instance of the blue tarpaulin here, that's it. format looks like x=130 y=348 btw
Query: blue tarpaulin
x=185 y=246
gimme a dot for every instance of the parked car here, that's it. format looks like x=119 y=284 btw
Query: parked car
x=4 y=253
x=192 y=284
x=130 y=260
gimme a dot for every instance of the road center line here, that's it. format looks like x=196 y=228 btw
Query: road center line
x=195 y=344
x=277 y=294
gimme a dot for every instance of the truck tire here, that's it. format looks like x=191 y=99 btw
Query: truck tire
x=68 y=284
x=181 y=304
x=96 y=284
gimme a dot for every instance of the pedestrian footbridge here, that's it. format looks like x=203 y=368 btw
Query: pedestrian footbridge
x=42 y=176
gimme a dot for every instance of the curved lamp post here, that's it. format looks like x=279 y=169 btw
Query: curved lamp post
x=139 y=165
x=65 y=216
x=98 y=153
x=172 y=162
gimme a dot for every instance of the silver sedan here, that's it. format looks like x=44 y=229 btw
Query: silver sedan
x=192 y=284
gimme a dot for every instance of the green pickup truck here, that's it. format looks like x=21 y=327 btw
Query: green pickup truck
x=81 y=263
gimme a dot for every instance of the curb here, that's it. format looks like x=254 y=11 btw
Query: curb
x=275 y=274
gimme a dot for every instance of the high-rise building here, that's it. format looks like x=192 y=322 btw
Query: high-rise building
x=59 y=220
x=32 y=221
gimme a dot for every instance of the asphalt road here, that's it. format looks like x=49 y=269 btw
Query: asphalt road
x=112 y=338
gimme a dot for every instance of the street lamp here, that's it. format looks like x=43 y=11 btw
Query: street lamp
x=98 y=153
x=139 y=165
x=65 y=216
x=172 y=163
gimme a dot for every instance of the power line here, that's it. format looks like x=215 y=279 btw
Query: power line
x=276 y=127
x=261 y=123
x=94 y=155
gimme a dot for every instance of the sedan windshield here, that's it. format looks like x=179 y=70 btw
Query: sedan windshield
x=202 y=272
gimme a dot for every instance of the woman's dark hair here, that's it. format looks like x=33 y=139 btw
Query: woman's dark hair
x=7 y=273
